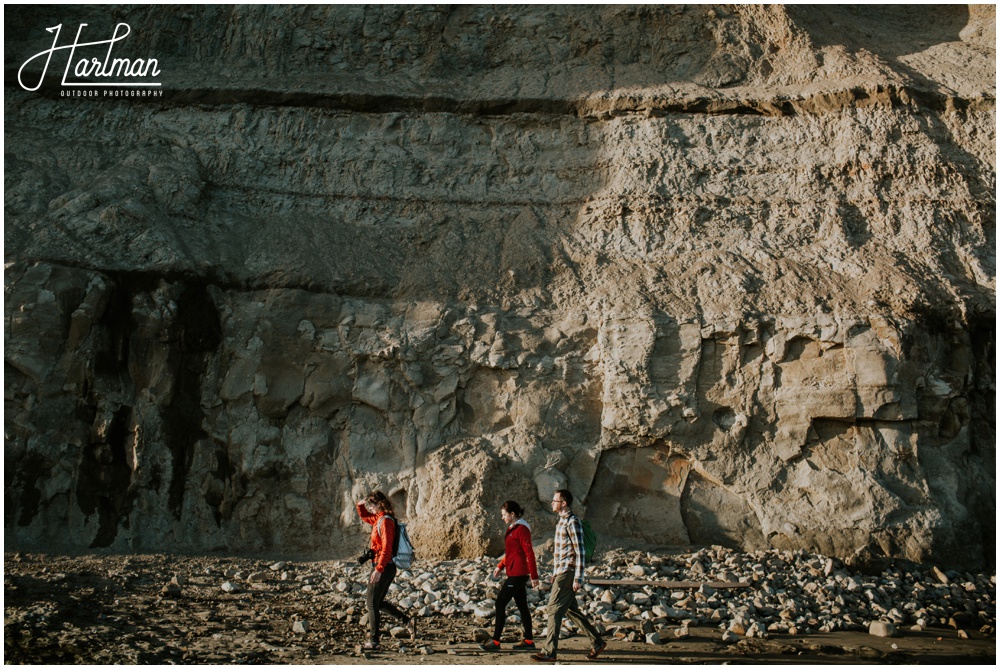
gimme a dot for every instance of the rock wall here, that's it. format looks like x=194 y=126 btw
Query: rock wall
x=726 y=273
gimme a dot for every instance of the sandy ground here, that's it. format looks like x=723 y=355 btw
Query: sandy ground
x=111 y=609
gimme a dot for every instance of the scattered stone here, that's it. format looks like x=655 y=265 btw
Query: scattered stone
x=70 y=645
x=960 y=621
x=882 y=628
x=675 y=613
x=637 y=571
x=278 y=566
x=878 y=604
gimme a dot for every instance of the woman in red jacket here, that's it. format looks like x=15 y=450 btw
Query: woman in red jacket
x=377 y=511
x=519 y=563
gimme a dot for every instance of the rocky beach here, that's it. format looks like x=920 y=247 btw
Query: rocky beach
x=725 y=273
x=713 y=606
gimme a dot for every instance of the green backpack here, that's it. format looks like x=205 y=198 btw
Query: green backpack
x=589 y=541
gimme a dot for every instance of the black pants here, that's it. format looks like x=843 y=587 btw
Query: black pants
x=376 y=602
x=513 y=588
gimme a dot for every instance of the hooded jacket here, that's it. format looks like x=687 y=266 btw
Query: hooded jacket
x=519 y=556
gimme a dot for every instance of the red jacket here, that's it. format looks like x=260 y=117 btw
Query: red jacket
x=383 y=536
x=519 y=556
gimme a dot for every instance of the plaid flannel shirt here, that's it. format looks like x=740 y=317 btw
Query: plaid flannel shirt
x=568 y=547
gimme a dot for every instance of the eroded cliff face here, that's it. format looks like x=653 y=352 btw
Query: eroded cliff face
x=726 y=273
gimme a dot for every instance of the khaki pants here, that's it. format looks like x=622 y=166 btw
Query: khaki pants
x=562 y=603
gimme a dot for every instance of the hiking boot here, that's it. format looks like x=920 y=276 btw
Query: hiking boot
x=490 y=646
x=542 y=657
x=524 y=645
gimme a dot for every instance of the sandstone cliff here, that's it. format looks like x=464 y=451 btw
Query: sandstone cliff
x=727 y=273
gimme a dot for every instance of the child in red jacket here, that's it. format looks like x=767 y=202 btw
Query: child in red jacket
x=519 y=563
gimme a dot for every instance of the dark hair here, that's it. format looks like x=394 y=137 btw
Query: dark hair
x=567 y=496
x=380 y=501
x=510 y=506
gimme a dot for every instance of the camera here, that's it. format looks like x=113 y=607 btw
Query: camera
x=366 y=556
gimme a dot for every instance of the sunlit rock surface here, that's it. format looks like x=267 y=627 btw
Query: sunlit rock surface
x=728 y=274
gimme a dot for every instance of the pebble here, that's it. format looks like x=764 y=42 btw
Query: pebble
x=300 y=626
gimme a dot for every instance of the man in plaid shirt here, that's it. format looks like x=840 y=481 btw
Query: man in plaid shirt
x=567 y=579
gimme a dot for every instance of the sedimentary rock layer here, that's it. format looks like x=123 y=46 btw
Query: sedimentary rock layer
x=728 y=274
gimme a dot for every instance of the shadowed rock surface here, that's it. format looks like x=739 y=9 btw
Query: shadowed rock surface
x=726 y=273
